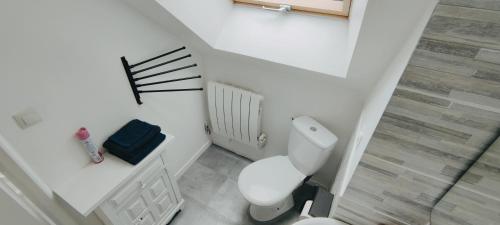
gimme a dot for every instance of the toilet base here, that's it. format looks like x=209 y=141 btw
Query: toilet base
x=267 y=213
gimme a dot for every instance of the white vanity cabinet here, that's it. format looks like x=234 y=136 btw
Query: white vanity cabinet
x=123 y=194
x=149 y=199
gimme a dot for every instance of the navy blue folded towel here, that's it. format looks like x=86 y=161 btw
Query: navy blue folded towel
x=134 y=141
x=131 y=137
x=144 y=150
x=133 y=133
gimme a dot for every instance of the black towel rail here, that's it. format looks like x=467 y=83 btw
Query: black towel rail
x=132 y=81
x=171 y=90
x=168 y=81
x=157 y=57
x=161 y=64
x=165 y=72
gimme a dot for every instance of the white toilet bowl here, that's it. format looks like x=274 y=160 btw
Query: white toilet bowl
x=320 y=221
x=268 y=183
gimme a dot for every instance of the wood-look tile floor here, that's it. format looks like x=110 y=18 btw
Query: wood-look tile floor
x=210 y=189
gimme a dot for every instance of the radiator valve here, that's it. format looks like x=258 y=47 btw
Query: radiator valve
x=262 y=140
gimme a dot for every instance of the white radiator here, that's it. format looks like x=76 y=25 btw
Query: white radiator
x=235 y=115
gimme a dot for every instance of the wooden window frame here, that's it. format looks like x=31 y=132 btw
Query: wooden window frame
x=331 y=7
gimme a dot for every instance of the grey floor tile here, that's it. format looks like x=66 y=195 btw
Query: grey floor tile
x=210 y=189
x=195 y=213
x=288 y=219
x=200 y=182
x=223 y=162
x=234 y=173
x=230 y=203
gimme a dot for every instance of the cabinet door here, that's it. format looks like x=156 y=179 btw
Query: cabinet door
x=165 y=204
x=136 y=185
x=146 y=219
x=149 y=199
x=133 y=210
x=163 y=200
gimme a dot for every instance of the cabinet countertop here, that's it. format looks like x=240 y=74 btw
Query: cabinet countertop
x=94 y=183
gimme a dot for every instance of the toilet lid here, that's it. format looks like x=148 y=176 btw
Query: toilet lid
x=269 y=181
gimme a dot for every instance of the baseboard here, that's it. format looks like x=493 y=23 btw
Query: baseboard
x=251 y=152
x=193 y=159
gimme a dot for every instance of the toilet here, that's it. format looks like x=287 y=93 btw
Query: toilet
x=268 y=183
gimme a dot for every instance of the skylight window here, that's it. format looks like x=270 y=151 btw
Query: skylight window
x=332 y=7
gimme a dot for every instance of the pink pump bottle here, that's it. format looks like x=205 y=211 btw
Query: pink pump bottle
x=84 y=136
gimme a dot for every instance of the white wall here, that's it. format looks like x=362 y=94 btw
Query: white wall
x=61 y=57
x=280 y=104
x=385 y=28
x=205 y=18
x=13 y=213
x=356 y=16
x=80 y=51
x=384 y=41
x=376 y=31
x=304 y=40
x=288 y=93
x=379 y=96
x=34 y=188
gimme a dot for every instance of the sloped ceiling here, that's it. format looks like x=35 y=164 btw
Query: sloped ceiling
x=312 y=42
x=356 y=51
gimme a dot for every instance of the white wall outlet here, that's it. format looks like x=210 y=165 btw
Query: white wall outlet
x=27 y=118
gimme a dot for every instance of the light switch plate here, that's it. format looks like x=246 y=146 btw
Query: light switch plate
x=27 y=118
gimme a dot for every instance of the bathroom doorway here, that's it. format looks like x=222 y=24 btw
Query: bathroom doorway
x=13 y=207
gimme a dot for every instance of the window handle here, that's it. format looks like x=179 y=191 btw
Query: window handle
x=282 y=8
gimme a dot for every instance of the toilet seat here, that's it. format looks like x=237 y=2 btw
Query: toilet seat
x=269 y=181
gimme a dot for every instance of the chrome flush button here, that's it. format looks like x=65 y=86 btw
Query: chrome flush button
x=313 y=129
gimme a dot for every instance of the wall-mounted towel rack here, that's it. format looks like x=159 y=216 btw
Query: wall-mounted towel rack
x=132 y=79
